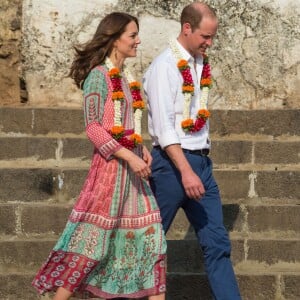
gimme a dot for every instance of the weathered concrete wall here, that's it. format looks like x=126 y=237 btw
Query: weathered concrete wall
x=255 y=57
x=10 y=35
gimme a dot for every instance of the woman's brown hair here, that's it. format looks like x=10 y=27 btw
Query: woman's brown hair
x=93 y=53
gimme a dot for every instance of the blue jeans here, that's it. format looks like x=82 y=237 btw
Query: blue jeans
x=205 y=216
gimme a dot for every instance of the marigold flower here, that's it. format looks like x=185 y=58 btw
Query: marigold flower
x=117 y=130
x=187 y=89
x=114 y=72
x=118 y=95
x=138 y=104
x=135 y=85
x=206 y=82
x=136 y=138
x=204 y=113
x=182 y=64
x=186 y=124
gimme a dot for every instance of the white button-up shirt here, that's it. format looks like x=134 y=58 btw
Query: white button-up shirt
x=162 y=84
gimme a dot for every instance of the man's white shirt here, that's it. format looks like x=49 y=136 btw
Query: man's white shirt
x=162 y=84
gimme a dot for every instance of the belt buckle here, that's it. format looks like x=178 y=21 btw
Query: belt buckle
x=204 y=152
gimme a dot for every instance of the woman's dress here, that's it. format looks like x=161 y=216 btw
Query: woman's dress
x=113 y=244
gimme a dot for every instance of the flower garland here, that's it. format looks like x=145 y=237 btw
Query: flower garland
x=118 y=131
x=188 y=124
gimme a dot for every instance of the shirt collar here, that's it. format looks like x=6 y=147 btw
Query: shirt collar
x=187 y=56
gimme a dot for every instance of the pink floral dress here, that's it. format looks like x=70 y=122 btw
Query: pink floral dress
x=113 y=244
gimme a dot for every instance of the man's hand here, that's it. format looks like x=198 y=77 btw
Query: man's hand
x=191 y=182
x=193 y=186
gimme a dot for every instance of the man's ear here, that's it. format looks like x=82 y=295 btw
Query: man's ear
x=186 y=28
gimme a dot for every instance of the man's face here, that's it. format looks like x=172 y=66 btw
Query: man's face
x=202 y=37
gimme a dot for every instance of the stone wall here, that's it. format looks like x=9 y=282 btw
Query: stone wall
x=255 y=56
x=10 y=35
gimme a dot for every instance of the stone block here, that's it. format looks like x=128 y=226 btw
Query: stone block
x=27 y=184
x=273 y=152
x=188 y=287
x=186 y=256
x=237 y=251
x=17 y=120
x=74 y=148
x=278 y=184
x=41 y=184
x=58 y=120
x=231 y=152
x=44 y=219
x=291 y=286
x=17 y=286
x=257 y=287
x=233 y=184
x=278 y=218
x=7 y=218
x=224 y=122
x=196 y=286
x=274 y=251
x=24 y=255
x=25 y=147
x=234 y=217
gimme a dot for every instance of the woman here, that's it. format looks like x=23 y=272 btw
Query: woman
x=113 y=244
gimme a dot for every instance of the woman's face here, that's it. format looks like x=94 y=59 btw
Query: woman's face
x=127 y=43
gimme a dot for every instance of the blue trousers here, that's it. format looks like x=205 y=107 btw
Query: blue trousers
x=205 y=216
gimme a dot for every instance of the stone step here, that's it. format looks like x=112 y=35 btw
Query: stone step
x=184 y=256
x=32 y=120
x=253 y=286
x=38 y=184
x=223 y=151
x=274 y=220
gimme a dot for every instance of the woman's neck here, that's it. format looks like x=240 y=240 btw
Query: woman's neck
x=118 y=63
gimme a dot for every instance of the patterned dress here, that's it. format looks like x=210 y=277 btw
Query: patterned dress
x=113 y=244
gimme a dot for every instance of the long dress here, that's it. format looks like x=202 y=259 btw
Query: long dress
x=113 y=244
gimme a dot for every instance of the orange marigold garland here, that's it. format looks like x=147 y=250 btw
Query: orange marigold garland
x=118 y=131
x=188 y=124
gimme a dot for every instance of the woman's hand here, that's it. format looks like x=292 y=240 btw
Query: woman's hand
x=140 y=167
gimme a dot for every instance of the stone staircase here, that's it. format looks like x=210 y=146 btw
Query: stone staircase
x=45 y=156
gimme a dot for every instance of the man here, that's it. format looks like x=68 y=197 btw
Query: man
x=178 y=125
